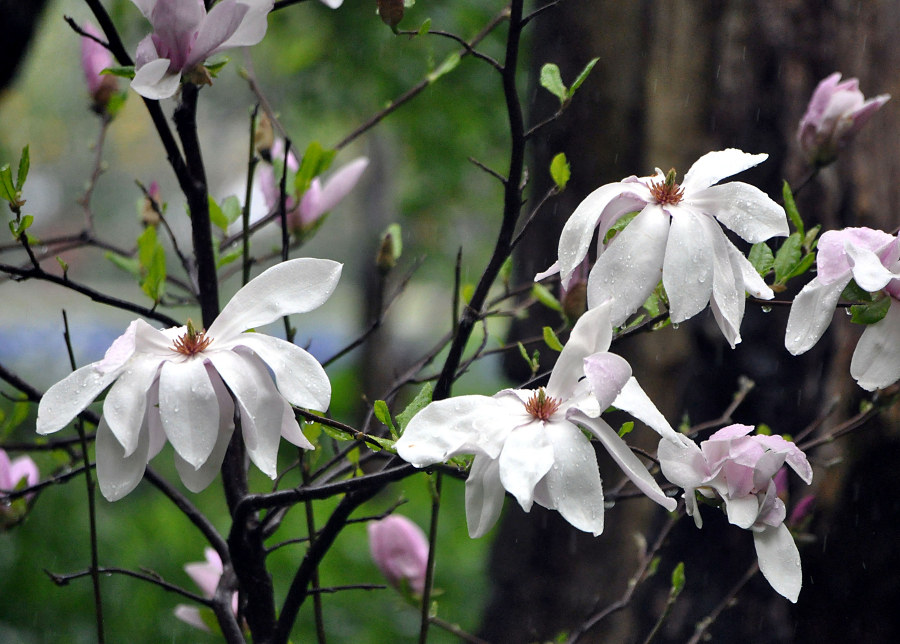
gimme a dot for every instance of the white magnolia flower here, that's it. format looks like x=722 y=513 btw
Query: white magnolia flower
x=529 y=441
x=872 y=259
x=171 y=384
x=675 y=236
x=740 y=469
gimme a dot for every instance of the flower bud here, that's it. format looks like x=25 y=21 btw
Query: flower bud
x=836 y=112
x=391 y=12
x=15 y=474
x=264 y=137
x=151 y=206
x=94 y=59
x=400 y=550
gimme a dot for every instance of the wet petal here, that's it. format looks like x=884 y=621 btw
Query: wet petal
x=291 y=431
x=868 y=271
x=688 y=264
x=189 y=409
x=635 y=401
x=592 y=333
x=126 y=401
x=876 y=360
x=742 y=510
x=607 y=373
x=118 y=474
x=715 y=166
x=744 y=209
x=779 y=560
x=728 y=286
x=573 y=483
x=197 y=479
x=484 y=495
x=811 y=313
x=70 y=396
x=526 y=457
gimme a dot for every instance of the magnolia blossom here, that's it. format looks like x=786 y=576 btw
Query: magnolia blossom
x=178 y=383
x=739 y=469
x=872 y=259
x=675 y=236
x=400 y=550
x=94 y=59
x=15 y=471
x=184 y=36
x=529 y=441
x=836 y=112
x=206 y=575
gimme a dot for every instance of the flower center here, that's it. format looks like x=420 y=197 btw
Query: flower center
x=192 y=342
x=667 y=192
x=542 y=406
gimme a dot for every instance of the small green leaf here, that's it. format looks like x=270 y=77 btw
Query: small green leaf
x=126 y=71
x=551 y=80
x=466 y=292
x=651 y=305
x=870 y=313
x=216 y=67
x=626 y=429
x=418 y=404
x=532 y=364
x=216 y=216
x=620 y=224
x=810 y=241
x=654 y=566
x=855 y=293
x=383 y=414
x=506 y=270
x=152 y=259
x=551 y=340
x=335 y=433
x=227 y=258
x=425 y=28
x=678 y=579
x=560 y=171
x=802 y=266
x=24 y=165
x=62 y=264
x=316 y=160
x=582 y=76
x=447 y=66
x=7 y=188
x=790 y=207
x=231 y=208
x=787 y=257
x=764 y=430
x=543 y=295
x=127 y=264
x=761 y=258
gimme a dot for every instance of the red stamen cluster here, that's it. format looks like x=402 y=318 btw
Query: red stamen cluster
x=192 y=342
x=542 y=406
x=667 y=193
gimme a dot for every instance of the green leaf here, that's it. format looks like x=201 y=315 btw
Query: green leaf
x=418 y=404
x=551 y=80
x=227 y=258
x=678 y=579
x=21 y=226
x=126 y=71
x=316 y=160
x=870 y=313
x=810 y=241
x=447 y=66
x=761 y=258
x=383 y=414
x=532 y=363
x=787 y=257
x=467 y=291
x=7 y=188
x=620 y=224
x=626 y=429
x=506 y=270
x=62 y=264
x=551 y=340
x=425 y=28
x=216 y=67
x=802 y=266
x=24 y=165
x=790 y=207
x=651 y=305
x=335 y=433
x=152 y=260
x=543 y=295
x=216 y=216
x=582 y=76
x=396 y=238
x=127 y=264
x=855 y=293
x=231 y=208
x=560 y=171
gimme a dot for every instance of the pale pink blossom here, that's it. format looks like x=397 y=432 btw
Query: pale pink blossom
x=400 y=550
x=94 y=59
x=17 y=470
x=206 y=574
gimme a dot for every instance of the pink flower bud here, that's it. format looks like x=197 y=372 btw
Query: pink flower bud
x=321 y=197
x=94 y=59
x=836 y=112
x=13 y=472
x=206 y=575
x=400 y=550
x=802 y=510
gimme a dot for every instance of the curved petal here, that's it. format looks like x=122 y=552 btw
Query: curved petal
x=876 y=360
x=314 y=204
x=118 y=474
x=484 y=495
x=299 y=376
x=625 y=458
x=526 y=457
x=688 y=264
x=189 y=409
x=591 y=334
x=712 y=167
x=20 y=469
x=682 y=464
x=753 y=281
x=295 y=286
x=631 y=265
x=635 y=401
x=744 y=209
x=742 y=510
x=573 y=483
x=607 y=373
x=602 y=207
x=253 y=26
x=779 y=560
x=460 y=425
x=811 y=313
x=219 y=25
x=154 y=81
x=868 y=271
x=71 y=395
x=126 y=402
x=290 y=430
x=832 y=262
x=728 y=286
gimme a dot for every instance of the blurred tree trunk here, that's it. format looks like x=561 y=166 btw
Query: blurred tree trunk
x=676 y=80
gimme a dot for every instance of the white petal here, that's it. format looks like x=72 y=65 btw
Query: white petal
x=592 y=333
x=715 y=166
x=688 y=264
x=682 y=463
x=484 y=495
x=295 y=286
x=126 y=401
x=753 y=281
x=291 y=431
x=625 y=458
x=253 y=26
x=876 y=360
x=219 y=25
x=71 y=395
x=154 y=81
x=728 y=286
x=188 y=409
x=743 y=208
x=635 y=401
x=607 y=373
x=573 y=483
x=602 y=207
x=631 y=266
x=742 y=510
x=118 y=474
x=333 y=4
x=460 y=425
x=299 y=376
x=779 y=560
x=526 y=457
x=811 y=313
x=868 y=271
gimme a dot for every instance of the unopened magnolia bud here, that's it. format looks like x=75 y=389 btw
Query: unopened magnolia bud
x=264 y=137
x=151 y=206
x=391 y=12
x=385 y=259
x=94 y=59
x=400 y=550
x=574 y=302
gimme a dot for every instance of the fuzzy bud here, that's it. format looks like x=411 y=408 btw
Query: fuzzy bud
x=400 y=550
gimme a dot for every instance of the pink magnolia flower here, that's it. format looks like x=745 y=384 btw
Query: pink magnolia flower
x=206 y=575
x=185 y=35
x=94 y=59
x=400 y=550
x=836 y=112
x=13 y=472
x=872 y=259
x=740 y=469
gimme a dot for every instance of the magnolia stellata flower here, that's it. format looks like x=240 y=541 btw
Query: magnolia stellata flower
x=185 y=35
x=529 y=441
x=675 y=236
x=17 y=470
x=872 y=259
x=836 y=112
x=171 y=384
x=94 y=59
x=400 y=550
x=206 y=575
x=739 y=469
